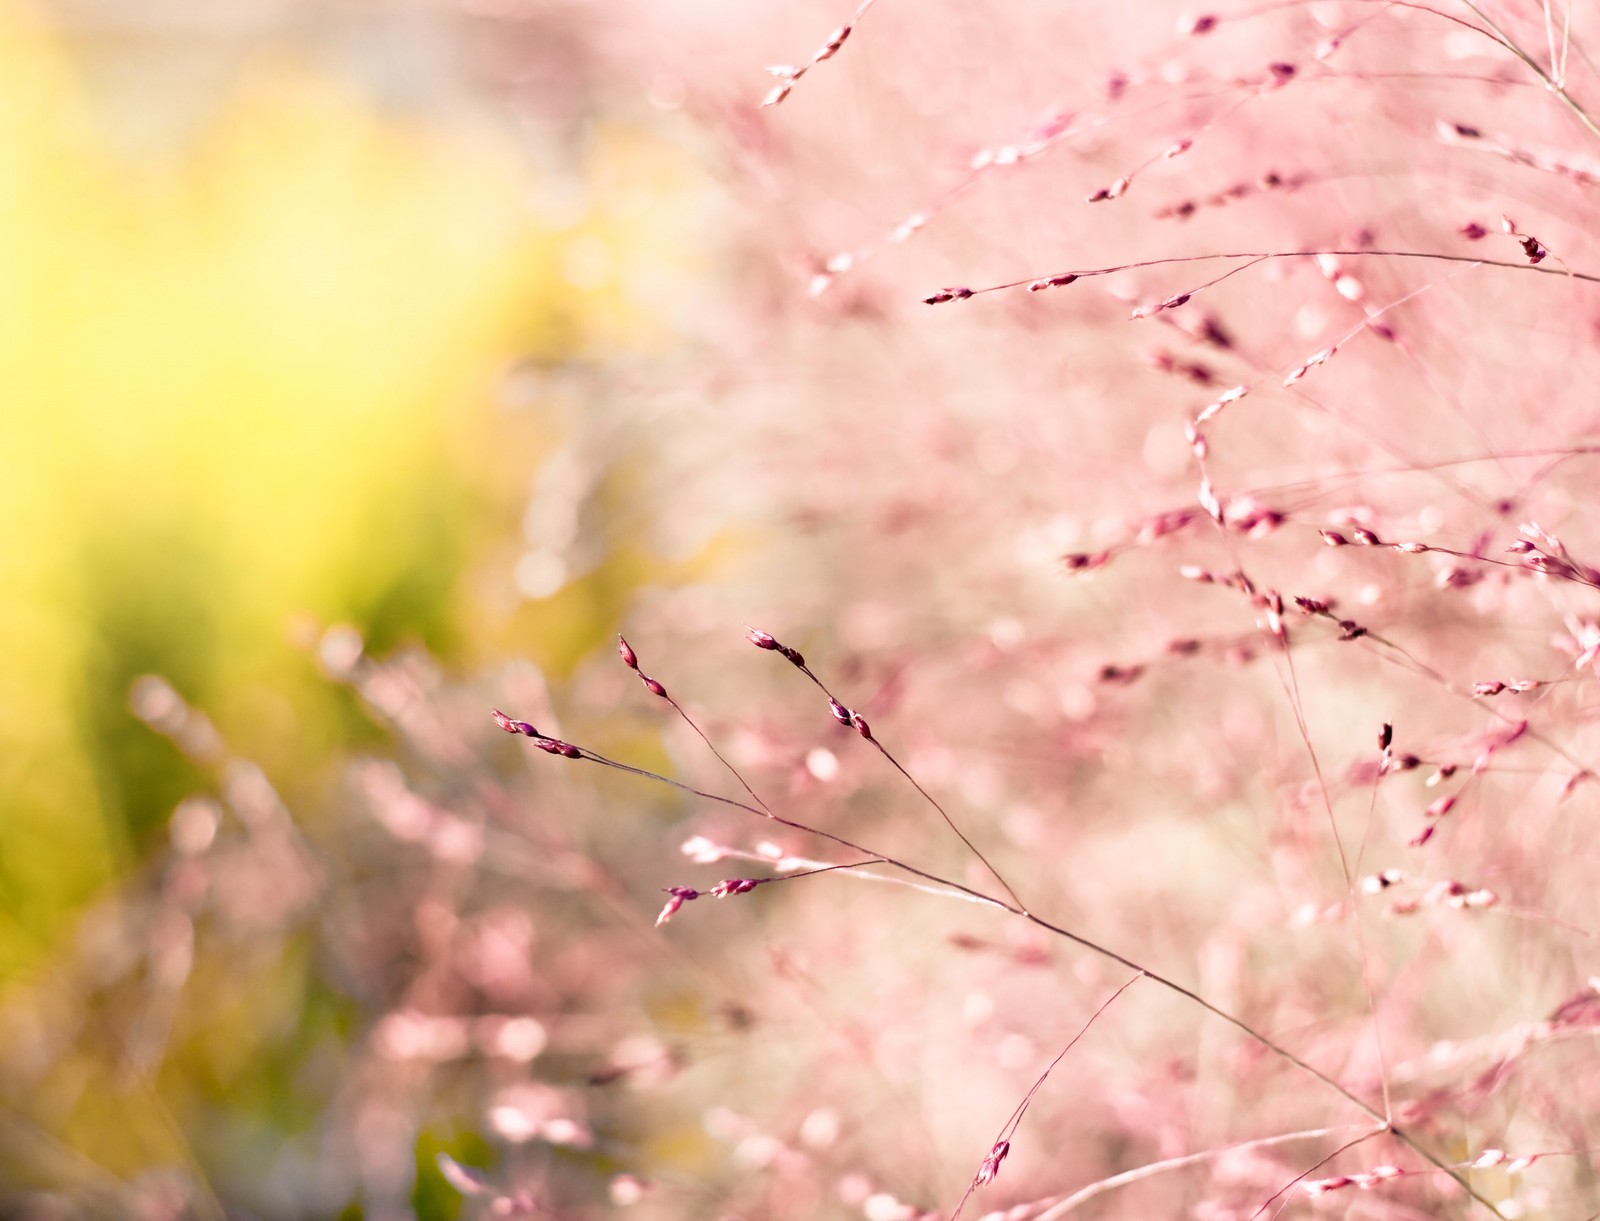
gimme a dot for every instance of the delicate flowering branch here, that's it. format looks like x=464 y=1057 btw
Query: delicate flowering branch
x=1002 y=1144
x=789 y=75
x=679 y=895
x=1083 y=1195
x=854 y=720
x=766 y=641
x=1060 y=279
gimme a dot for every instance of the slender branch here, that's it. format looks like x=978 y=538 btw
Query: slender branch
x=570 y=751
x=1062 y=278
x=1139 y=1173
x=1002 y=1142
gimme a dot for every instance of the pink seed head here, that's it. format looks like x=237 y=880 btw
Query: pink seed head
x=653 y=687
x=1440 y=807
x=1317 y=1187
x=859 y=723
x=510 y=726
x=760 y=639
x=991 y=1163
x=840 y=712
x=1084 y=561
x=679 y=895
x=625 y=651
x=835 y=41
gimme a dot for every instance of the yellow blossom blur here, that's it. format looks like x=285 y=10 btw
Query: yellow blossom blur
x=248 y=390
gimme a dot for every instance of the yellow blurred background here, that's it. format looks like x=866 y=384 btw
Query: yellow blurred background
x=254 y=379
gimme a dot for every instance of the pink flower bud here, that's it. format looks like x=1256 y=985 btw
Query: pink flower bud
x=835 y=41
x=760 y=639
x=653 y=687
x=510 y=726
x=625 y=651
x=1317 y=1187
x=1083 y=561
x=991 y=1163
x=679 y=896
x=1440 y=807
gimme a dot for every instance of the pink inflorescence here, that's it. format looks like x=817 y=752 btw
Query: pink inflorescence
x=552 y=746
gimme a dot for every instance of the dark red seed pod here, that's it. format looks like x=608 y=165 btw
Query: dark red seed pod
x=625 y=651
x=761 y=639
x=861 y=726
x=1385 y=736
x=840 y=712
x=511 y=726
x=653 y=687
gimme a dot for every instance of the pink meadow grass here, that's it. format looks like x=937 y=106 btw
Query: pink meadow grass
x=1161 y=449
x=1248 y=434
